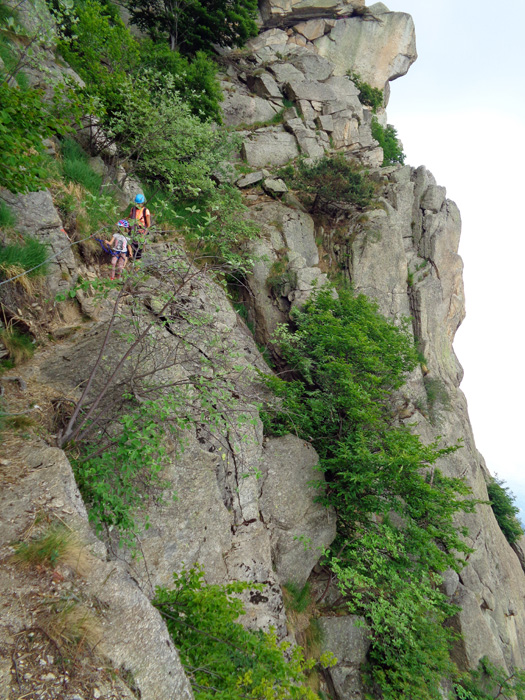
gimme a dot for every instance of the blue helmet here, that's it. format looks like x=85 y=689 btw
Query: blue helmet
x=123 y=223
x=140 y=199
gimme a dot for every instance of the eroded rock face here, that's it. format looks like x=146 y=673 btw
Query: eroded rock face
x=380 y=47
x=130 y=626
x=288 y=467
x=275 y=12
x=37 y=216
x=349 y=643
x=220 y=477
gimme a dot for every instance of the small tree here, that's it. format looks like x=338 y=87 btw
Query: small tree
x=192 y=25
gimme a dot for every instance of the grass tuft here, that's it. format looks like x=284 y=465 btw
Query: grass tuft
x=56 y=545
x=19 y=345
x=7 y=218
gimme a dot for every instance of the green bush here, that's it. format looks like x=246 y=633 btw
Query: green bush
x=20 y=346
x=197 y=25
x=395 y=509
x=502 y=501
x=118 y=482
x=368 y=95
x=387 y=139
x=26 y=118
x=333 y=178
x=195 y=79
x=225 y=661
x=489 y=681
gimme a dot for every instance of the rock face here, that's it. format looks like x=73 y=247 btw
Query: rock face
x=279 y=11
x=44 y=487
x=380 y=49
x=245 y=510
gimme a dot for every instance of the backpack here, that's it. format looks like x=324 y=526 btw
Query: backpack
x=141 y=221
x=120 y=243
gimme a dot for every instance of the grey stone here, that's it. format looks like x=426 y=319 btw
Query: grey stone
x=286 y=72
x=313 y=67
x=263 y=85
x=300 y=527
x=271 y=37
x=270 y=148
x=273 y=12
x=309 y=90
x=433 y=198
x=378 y=51
x=37 y=216
x=347 y=638
x=306 y=110
x=312 y=29
x=273 y=186
x=134 y=635
x=325 y=122
x=239 y=108
x=250 y=179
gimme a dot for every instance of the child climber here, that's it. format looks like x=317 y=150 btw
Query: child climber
x=140 y=221
x=120 y=249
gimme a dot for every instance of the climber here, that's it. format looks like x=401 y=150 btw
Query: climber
x=120 y=249
x=141 y=222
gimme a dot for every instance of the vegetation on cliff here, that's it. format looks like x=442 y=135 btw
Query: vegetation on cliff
x=395 y=509
x=225 y=661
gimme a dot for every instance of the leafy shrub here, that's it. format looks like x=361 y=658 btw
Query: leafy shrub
x=387 y=139
x=489 y=681
x=224 y=661
x=395 y=509
x=368 y=95
x=332 y=178
x=26 y=118
x=119 y=480
x=196 y=25
x=104 y=54
x=502 y=501
x=195 y=79
x=168 y=144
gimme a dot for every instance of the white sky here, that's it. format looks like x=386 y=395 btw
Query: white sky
x=460 y=111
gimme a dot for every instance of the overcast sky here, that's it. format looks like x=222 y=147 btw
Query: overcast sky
x=460 y=111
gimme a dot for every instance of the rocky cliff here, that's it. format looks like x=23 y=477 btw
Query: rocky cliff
x=245 y=504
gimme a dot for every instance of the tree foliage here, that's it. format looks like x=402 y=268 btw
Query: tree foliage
x=386 y=136
x=502 y=501
x=395 y=510
x=332 y=179
x=194 y=25
x=223 y=660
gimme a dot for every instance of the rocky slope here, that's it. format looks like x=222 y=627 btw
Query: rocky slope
x=245 y=507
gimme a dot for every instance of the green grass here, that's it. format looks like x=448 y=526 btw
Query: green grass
x=7 y=218
x=76 y=168
x=26 y=256
x=19 y=346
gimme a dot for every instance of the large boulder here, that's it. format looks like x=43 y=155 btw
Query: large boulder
x=380 y=48
x=300 y=527
x=239 y=108
x=37 y=216
x=347 y=638
x=269 y=147
x=133 y=638
x=279 y=12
